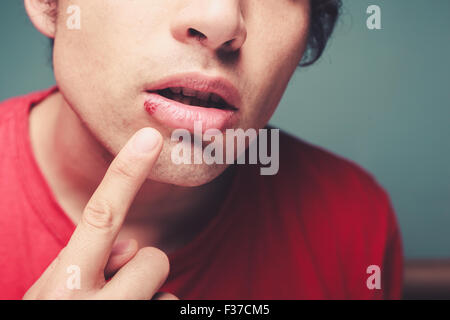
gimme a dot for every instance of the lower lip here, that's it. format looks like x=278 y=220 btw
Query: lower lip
x=181 y=116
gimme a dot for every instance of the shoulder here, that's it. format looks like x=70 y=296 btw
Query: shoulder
x=14 y=114
x=299 y=157
x=9 y=107
x=19 y=104
x=334 y=194
x=336 y=179
x=345 y=213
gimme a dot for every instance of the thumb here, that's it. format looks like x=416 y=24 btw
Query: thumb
x=121 y=253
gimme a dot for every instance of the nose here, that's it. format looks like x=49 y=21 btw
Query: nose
x=216 y=24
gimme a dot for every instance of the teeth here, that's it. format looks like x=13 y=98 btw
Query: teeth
x=176 y=90
x=178 y=98
x=186 y=100
x=193 y=97
x=189 y=92
x=203 y=95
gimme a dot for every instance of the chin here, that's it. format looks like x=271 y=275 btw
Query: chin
x=184 y=175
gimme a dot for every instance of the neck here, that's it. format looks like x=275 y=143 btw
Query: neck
x=73 y=163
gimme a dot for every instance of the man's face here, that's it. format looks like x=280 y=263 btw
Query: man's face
x=126 y=47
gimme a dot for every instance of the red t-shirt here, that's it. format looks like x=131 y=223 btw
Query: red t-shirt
x=309 y=232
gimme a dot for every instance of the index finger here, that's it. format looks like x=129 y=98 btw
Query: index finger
x=91 y=243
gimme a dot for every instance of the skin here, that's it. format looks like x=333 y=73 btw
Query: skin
x=101 y=72
x=137 y=276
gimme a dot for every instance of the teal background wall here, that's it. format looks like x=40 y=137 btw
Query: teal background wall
x=380 y=98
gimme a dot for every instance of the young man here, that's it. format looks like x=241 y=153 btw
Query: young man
x=93 y=206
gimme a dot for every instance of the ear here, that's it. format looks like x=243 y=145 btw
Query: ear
x=40 y=14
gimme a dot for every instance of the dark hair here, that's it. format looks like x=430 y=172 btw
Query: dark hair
x=324 y=15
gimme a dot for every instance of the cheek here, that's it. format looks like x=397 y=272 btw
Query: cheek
x=277 y=37
x=104 y=58
x=92 y=65
x=272 y=60
x=80 y=60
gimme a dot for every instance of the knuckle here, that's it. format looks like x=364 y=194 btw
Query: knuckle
x=98 y=215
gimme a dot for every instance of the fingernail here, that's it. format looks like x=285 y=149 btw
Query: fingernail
x=120 y=247
x=146 y=139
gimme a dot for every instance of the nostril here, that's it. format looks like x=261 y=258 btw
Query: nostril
x=195 y=33
x=228 y=45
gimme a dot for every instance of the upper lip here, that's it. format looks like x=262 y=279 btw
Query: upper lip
x=203 y=83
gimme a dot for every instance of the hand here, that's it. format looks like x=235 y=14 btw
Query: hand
x=135 y=274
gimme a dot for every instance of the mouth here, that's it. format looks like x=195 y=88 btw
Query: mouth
x=191 y=100
x=195 y=98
